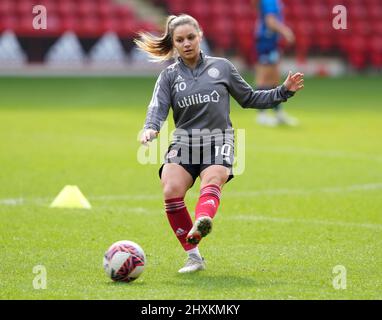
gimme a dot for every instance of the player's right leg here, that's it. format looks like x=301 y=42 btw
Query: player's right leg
x=175 y=183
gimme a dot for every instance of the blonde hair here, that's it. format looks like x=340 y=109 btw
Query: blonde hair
x=161 y=48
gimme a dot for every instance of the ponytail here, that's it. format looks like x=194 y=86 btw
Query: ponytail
x=162 y=48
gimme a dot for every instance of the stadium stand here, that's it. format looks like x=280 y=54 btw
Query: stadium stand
x=88 y=19
x=228 y=25
x=84 y=17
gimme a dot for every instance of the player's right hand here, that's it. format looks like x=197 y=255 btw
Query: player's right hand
x=148 y=135
x=294 y=82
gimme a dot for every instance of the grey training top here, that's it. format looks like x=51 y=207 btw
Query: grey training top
x=200 y=97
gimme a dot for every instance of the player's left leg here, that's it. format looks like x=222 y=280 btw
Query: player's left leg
x=212 y=180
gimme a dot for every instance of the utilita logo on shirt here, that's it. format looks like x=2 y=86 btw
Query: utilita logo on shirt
x=195 y=99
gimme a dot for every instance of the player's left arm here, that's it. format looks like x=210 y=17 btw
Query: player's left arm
x=247 y=97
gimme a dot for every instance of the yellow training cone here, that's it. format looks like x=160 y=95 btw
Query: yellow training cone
x=71 y=197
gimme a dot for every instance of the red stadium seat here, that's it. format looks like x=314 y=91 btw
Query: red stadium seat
x=244 y=27
x=302 y=47
x=360 y=28
x=104 y=10
x=356 y=11
x=319 y=11
x=86 y=8
x=222 y=33
x=123 y=12
x=219 y=9
x=323 y=27
x=109 y=24
x=25 y=27
x=246 y=46
x=8 y=23
x=177 y=7
x=239 y=9
x=88 y=27
x=7 y=8
x=147 y=26
x=303 y=28
x=299 y=11
x=69 y=23
x=199 y=10
x=66 y=8
x=129 y=28
x=376 y=27
x=375 y=50
x=357 y=49
x=54 y=25
x=374 y=10
x=23 y=7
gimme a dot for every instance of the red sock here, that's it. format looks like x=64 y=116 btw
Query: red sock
x=180 y=220
x=208 y=201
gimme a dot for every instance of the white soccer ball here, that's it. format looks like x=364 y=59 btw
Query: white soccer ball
x=124 y=261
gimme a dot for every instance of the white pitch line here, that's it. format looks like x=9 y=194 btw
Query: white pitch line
x=229 y=194
x=242 y=217
x=11 y=202
x=345 y=189
x=126 y=197
x=319 y=153
x=283 y=191
x=251 y=217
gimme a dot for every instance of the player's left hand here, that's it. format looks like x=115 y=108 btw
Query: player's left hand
x=294 y=82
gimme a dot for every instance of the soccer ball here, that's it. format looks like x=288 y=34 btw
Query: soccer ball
x=124 y=261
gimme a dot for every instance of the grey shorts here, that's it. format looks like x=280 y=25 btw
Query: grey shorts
x=194 y=159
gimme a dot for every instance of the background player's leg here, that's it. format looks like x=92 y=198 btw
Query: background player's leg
x=265 y=80
x=268 y=77
x=281 y=116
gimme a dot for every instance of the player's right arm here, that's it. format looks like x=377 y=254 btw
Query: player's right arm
x=158 y=109
x=271 y=11
x=274 y=24
x=247 y=97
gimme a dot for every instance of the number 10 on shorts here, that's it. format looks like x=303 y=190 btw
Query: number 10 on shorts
x=224 y=150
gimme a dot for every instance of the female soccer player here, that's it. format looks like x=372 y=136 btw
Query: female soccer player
x=267 y=74
x=198 y=88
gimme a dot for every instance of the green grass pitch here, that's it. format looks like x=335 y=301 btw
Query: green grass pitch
x=310 y=198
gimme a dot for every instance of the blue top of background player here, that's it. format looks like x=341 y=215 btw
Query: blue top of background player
x=267 y=39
